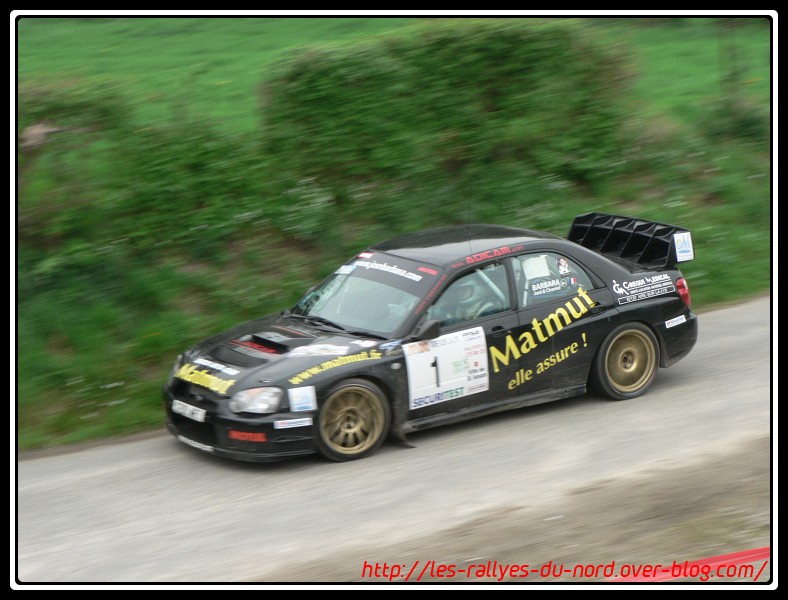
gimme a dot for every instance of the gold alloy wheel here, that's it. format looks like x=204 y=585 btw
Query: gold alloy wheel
x=353 y=420
x=631 y=361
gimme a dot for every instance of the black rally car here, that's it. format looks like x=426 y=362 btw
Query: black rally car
x=436 y=327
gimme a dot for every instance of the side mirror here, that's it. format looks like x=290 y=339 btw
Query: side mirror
x=428 y=330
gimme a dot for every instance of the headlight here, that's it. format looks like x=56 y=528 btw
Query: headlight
x=256 y=400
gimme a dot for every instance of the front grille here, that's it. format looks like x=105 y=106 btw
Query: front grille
x=194 y=430
x=194 y=394
x=197 y=396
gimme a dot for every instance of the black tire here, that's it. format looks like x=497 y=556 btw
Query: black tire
x=627 y=362
x=353 y=421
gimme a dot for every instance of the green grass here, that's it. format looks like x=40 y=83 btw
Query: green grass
x=682 y=68
x=217 y=63
x=105 y=303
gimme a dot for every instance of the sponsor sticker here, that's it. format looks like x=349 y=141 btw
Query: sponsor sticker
x=365 y=343
x=247 y=436
x=541 y=331
x=340 y=361
x=644 y=287
x=548 y=287
x=389 y=347
x=677 y=321
x=217 y=366
x=320 y=350
x=387 y=268
x=451 y=366
x=345 y=269
x=684 y=248
x=302 y=398
x=202 y=378
x=289 y=423
x=647 y=294
x=479 y=256
x=193 y=444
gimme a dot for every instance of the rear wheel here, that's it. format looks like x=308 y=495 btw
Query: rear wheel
x=353 y=421
x=627 y=362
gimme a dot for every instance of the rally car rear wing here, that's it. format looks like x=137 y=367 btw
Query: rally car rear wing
x=645 y=243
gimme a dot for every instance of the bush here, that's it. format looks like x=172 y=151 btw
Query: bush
x=445 y=100
x=735 y=116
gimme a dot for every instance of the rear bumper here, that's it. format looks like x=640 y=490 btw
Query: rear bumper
x=679 y=336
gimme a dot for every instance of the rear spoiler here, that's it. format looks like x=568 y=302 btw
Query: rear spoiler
x=645 y=243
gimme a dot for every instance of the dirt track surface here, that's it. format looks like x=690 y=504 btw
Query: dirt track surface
x=716 y=505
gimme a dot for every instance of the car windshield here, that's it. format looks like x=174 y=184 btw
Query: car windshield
x=373 y=294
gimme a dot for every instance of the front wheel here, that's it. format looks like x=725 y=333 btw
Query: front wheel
x=353 y=421
x=627 y=362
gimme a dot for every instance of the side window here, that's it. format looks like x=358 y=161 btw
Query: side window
x=477 y=294
x=548 y=276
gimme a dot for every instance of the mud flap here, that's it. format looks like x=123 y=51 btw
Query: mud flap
x=398 y=435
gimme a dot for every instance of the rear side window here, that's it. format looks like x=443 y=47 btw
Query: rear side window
x=546 y=276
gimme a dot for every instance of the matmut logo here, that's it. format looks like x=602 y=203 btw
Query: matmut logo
x=541 y=331
x=216 y=384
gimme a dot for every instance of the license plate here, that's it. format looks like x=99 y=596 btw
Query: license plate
x=187 y=410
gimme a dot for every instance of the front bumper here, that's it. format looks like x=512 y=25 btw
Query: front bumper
x=261 y=439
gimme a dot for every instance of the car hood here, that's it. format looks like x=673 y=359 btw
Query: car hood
x=272 y=350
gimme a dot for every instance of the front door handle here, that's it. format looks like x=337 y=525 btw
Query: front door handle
x=499 y=330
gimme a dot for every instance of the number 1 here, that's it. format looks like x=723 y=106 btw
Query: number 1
x=437 y=374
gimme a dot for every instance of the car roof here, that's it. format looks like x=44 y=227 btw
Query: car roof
x=445 y=245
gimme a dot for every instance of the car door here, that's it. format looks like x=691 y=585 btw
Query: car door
x=559 y=306
x=452 y=372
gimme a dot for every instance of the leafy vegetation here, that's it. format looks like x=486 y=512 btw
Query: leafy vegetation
x=177 y=176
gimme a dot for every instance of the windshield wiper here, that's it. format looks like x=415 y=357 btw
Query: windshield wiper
x=311 y=319
x=368 y=334
x=323 y=321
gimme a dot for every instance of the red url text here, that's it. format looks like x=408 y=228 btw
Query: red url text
x=431 y=570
